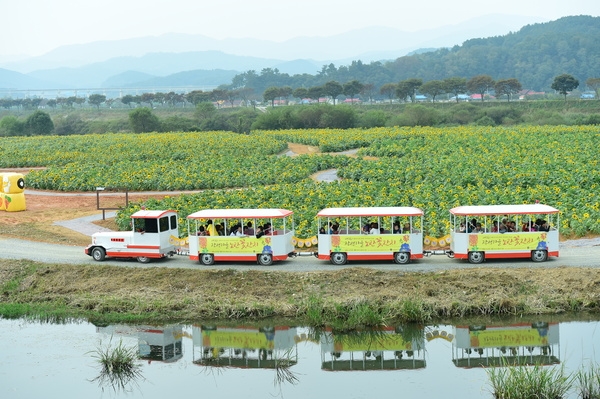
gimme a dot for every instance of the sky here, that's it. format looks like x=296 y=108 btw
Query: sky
x=35 y=27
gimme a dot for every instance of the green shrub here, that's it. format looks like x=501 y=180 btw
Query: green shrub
x=376 y=118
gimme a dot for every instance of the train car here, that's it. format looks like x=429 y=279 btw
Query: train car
x=259 y=235
x=150 y=238
x=370 y=233
x=483 y=232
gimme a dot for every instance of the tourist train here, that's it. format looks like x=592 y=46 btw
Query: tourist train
x=264 y=236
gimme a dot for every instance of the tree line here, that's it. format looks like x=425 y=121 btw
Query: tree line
x=403 y=91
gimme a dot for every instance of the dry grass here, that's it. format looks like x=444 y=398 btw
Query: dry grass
x=194 y=294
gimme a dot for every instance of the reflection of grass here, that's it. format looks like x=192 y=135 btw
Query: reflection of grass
x=118 y=367
x=525 y=382
x=283 y=373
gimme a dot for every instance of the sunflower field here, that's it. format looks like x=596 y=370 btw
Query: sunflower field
x=431 y=168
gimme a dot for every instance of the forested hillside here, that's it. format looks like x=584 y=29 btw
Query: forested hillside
x=534 y=55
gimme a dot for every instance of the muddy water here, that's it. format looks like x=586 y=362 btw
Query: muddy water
x=432 y=361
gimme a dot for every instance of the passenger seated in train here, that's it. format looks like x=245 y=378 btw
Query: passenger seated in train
x=544 y=226
x=259 y=231
x=374 y=228
x=249 y=230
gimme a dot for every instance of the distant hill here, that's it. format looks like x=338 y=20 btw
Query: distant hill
x=126 y=79
x=192 y=79
x=11 y=80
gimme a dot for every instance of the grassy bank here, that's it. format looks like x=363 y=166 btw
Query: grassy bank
x=346 y=298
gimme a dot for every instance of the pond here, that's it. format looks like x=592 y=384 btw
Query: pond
x=200 y=360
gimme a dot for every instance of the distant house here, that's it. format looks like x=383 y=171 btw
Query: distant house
x=352 y=100
x=523 y=94
x=478 y=97
x=421 y=98
x=587 y=96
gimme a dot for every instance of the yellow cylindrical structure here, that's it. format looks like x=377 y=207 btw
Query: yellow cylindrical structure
x=12 y=195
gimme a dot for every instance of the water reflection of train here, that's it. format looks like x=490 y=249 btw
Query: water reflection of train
x=155 y=343
x=244 y=346
x=387 y=348
x=496 y=345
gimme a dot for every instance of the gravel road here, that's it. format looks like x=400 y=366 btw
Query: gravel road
x=579 y=253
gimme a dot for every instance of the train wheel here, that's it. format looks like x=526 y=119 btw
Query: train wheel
x=265 y=259
x=99 y=254
x=338 y=258
x=476 y=257
x=143 y=259
x=402 y=257
x=207 y=259
x=539 y=255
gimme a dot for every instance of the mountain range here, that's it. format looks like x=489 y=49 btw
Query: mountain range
x=198 y=61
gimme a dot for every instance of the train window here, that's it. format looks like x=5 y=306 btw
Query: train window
x=164 y=224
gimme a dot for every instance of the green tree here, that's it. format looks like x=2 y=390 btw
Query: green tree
x=231 y=96
x=270 y=94
x=300 y=92
x=10 y=125
x=246 y=94
x=196 y=97
x=507 y=87
x=79 y=101
x=333 y=89
x=388 y=90
x=148 y=98
x=408 y=88
x=69 y=101
x=71 y=124
x=594 y=84
x=564 y=84
x=142 y=120
x=159 y=98
x=39 y=123
x=96 y=100
x=402 y=91
x=368 y=91
x=315 y=93
x=205 y=110
x=480 y=84
x=352 y=88
x=219 y=96
x=285 y=92
x=456 y=86
x=433 y=88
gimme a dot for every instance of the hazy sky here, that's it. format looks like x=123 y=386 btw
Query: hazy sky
x=34 y=27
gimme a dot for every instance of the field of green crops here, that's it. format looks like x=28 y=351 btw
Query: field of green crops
x=434 y=169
